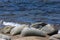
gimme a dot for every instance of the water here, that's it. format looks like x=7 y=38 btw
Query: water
x=30 y=11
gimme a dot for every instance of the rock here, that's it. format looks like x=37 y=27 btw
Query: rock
x=38 y=25
x=2 y=39
x=55 y=37
x=48 y=29
x=11 y=24
x=17 y=29
x=32 y=32
x=5 y=37
x=7 y=29
x=31 y=38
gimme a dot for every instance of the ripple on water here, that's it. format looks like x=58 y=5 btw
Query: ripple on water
x=30 y=11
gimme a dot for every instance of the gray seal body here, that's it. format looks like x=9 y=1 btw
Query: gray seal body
x=32 y=32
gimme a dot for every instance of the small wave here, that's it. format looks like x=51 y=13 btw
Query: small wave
x=10 y=23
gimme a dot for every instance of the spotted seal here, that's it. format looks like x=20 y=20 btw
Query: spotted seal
x=32 y=32
x=17 y=29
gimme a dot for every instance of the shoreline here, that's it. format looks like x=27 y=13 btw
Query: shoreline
x=17 y=37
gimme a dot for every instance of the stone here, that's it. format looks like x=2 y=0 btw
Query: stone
x=7 y=29
x=2 y=39
x=32 y=32
x=18 y=29
x=48 y=29
x=55 y=37
x=38 y=25
x=29 y=38
x=5 y=37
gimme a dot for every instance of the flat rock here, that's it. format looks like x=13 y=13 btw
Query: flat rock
x=31 y=38
x=55 y=37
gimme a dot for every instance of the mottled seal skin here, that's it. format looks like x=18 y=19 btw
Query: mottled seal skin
x=38 y=25
x=7 y=29
x=49 y=29
x=32 y=32
x=18 y=29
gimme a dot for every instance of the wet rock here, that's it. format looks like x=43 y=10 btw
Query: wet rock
x=55 y=37
x=17 y=29
x=32 y=32
x=48 y=29
x=38 y=25
x=7 y=29
x=2 y=36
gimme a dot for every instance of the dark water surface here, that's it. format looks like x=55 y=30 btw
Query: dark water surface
x=30 y=11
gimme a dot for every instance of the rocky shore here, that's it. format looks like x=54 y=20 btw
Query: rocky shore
x=33 y=31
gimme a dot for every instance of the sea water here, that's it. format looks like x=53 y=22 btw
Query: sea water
x=30 y=11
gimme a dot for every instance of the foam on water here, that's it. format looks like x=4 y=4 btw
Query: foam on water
x=58 y=31
x=11 y=24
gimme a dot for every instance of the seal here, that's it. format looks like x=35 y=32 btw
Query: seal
x=49 y=29
x=7 y=29
x=17 y=29
x=32 y=32
x=38 y=25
